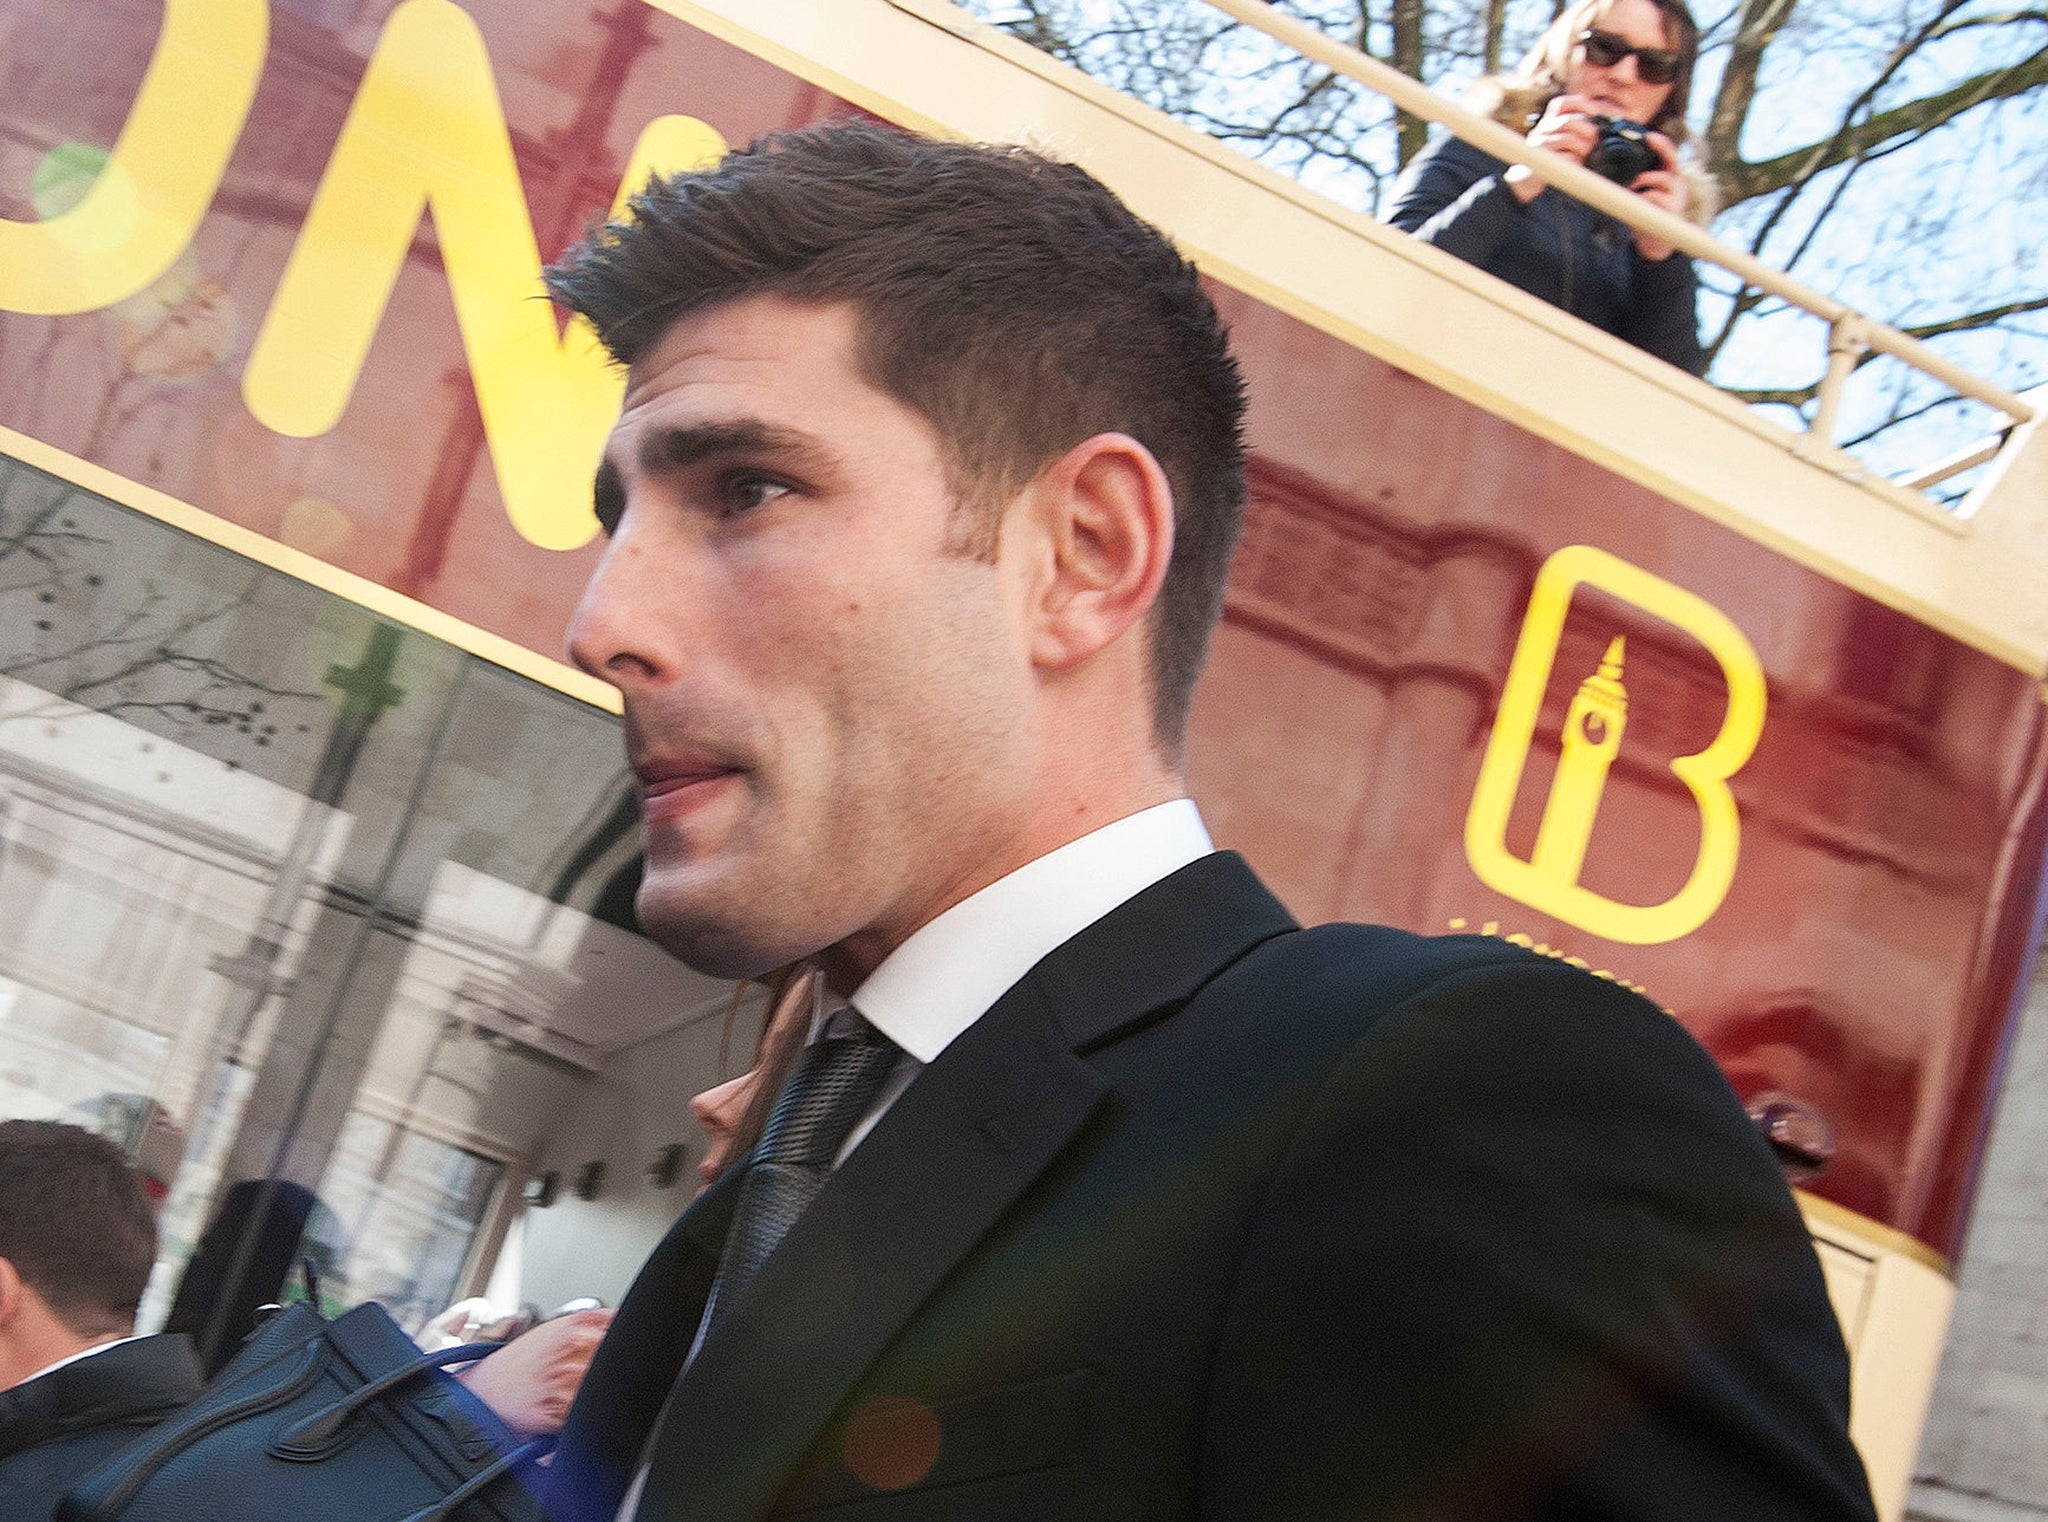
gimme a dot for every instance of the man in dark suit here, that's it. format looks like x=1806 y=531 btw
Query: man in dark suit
x=1112 y=1193
x=77 y=1237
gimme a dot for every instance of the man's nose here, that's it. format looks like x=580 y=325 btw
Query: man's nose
x=615 y=632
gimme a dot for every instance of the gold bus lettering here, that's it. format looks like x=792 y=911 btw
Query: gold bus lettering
x=425 y=134
x=1549 y=879
x=147 y=200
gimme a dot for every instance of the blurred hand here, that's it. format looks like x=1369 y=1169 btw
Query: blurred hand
x=1566 y=129
x=1664 y=187
x=456 y=1325
x=532 y=1379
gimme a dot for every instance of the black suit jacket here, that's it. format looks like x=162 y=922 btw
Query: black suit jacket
x=1215 y=1217
x=57 y=1429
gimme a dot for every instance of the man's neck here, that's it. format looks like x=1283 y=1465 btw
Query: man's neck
x=31 y=1358
x=940 y=981
x=849 y=963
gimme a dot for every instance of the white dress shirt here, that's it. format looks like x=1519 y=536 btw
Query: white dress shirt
x=78 y=1357
x=950 y=973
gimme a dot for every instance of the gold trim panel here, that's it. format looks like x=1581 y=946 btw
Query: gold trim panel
x=1894 y=1297
x=1873 y=1233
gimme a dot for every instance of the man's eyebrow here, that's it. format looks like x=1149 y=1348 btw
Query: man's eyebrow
x=678 y=448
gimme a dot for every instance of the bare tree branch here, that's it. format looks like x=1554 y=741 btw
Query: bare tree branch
x=1982 y=319
x=1798 y=396
x=1993 y=19
x=1766 y=396
x=1900 y=415
x=1915 y=117
x=1757 y=23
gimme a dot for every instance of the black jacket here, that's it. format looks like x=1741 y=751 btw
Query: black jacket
x=1212 y=1217
x=58 y=1428
x=1562 y=250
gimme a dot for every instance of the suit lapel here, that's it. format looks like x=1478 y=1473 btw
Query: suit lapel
x=951 y=1154
x=637 y=1363
x=965 y=1139
x=1155 y=952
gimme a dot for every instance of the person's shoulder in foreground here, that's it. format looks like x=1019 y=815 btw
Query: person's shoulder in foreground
x=1523 y=1255
x=919 y=512
x=77 y=1238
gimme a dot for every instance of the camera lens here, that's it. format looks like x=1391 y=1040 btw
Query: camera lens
x=1622 y=151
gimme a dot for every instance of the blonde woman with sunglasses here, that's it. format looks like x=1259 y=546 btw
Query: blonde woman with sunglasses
x=1602 y=61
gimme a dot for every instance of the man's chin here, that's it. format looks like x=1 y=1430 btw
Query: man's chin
x=705 y=941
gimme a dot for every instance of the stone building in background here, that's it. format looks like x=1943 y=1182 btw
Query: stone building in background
x=1985 y=1456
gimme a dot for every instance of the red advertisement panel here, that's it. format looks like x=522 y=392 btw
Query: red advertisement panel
x=1883 y=829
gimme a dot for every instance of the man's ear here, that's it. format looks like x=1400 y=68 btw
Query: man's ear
x=1103 y=515
x=11 y=1289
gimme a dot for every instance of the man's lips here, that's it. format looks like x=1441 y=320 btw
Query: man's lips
x=653 y=783
x=674 y=787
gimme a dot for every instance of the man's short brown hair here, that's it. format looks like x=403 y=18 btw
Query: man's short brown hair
x=1008 y=298
x=76 y=1223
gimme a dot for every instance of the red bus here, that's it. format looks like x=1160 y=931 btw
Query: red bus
x=315 y=860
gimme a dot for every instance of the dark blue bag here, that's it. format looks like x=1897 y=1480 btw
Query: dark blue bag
x=322 y=1421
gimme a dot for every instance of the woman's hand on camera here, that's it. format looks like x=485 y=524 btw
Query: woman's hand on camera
x=1566 y=129
x=1664 y=188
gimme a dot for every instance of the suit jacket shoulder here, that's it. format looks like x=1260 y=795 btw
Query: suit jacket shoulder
x=1215 y=1217
x=55 y=1430
x=1526 y=1256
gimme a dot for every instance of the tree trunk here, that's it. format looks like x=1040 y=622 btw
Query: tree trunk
x=1412 y=132
x=1758 y=22
x=1496 y=29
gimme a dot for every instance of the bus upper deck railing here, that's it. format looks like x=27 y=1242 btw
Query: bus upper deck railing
x=1850 y=333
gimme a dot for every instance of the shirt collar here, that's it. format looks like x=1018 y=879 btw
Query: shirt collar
x=947 y=975
x=80 y=1356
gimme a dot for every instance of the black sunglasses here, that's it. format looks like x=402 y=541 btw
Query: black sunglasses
x=1654 y=66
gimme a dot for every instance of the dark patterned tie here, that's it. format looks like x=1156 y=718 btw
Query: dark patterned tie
x=835 y=1081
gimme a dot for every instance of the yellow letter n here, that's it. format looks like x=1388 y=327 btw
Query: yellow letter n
x=425 y=134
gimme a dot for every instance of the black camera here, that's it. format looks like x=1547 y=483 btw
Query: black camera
x=1622 y=151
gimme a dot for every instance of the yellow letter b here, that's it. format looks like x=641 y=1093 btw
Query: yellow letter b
x=1548 y=881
